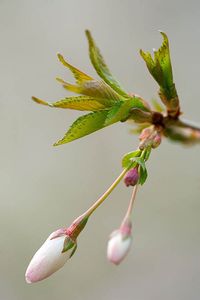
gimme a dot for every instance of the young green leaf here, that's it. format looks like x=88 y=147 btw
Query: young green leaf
x=84 y=125
x=129 y=157
x=160 y=67
x=147 y=153
x=121 y=111
x=93 y=88
x=140 y=162
x=86 y=103
x=161 y=70
x=142 y=169
x=79 y=75
x=101 y=67
x=143 y=175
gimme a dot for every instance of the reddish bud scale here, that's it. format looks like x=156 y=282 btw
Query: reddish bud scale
x=76 y=227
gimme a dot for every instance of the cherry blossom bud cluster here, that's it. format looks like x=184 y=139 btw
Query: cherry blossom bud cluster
x=150 y=137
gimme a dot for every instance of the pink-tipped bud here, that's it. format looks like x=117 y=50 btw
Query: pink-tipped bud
x=157 y=140
x=56 y=250
x=51 y=256
x=146 y=133
x=119 y=244
x=150 y=137
x=131 y=177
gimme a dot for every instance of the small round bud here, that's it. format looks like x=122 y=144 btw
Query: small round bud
x=146 y=133
x=119 y=244
x=156 y=141
x=131 y=177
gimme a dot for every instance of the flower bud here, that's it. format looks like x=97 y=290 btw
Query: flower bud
x=156 y=140
x=51 y=256
x=146 y=133
x=131 y=177
x=150 y=137
x=56 y=250
x=119 y=244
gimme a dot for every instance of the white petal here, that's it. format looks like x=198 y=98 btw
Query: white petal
x=47 y=260
x=118 y=247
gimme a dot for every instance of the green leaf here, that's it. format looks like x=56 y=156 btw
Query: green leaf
x=129 y=157
x=84 y=125
x=147 y=153
x=79 y=103
x=101 y=67
x=141 y=162
x=160 y=67
x=140 y=104
x=121 y=110
x=142 y=170
x=79 y=75
x=93 y=88
x=161 y=70
x=143 y=176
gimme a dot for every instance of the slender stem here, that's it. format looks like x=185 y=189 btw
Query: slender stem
x=130 y=207
x=106 y=194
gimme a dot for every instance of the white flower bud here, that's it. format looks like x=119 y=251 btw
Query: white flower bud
x=118 y=246
x=52 y=255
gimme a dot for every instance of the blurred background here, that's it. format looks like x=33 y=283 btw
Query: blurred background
x=44 y=187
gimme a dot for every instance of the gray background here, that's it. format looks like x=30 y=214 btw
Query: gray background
x=44 y=188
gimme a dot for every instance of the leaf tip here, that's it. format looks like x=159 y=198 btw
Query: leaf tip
x=88 y=33
x=60 y=80
x=141 y=52
x=60 y=57
x=60 y=142
x=40 y=101
x=56 y=144
x=164 y=36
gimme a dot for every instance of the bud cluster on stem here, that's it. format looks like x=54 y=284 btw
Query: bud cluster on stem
x=150 y=137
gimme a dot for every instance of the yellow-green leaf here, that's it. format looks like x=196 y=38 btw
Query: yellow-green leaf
x=161 y=69
x=93 y=88
x=86 y=103
x=128 y=158
x=79 y=75
x=121 y=111
x=101 y=67
x=84 y=125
